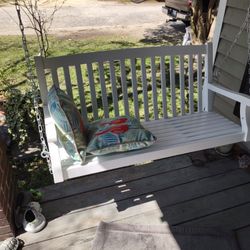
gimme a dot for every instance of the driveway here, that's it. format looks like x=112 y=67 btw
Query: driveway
x=91 y=18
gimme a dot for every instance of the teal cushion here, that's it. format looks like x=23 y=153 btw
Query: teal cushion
x=118 y=134
x=69 y=123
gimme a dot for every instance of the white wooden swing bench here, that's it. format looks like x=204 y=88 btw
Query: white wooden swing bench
x=181 y=125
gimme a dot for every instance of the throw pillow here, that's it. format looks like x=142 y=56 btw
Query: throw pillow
x=69 y=123
x=118 y=134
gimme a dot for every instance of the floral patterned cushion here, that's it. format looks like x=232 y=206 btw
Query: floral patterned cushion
x=117 y=135
x=69 y=124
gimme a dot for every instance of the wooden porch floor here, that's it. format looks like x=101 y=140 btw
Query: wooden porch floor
x=171 y=191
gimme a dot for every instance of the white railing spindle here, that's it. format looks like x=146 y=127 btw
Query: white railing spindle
x=92 y=90
x=134 y=86
x=163 y=87
x=191 y=84
x=154 y=88
x=68 y=81
x=81 y=93
x=199 y=82
x=144 y=88
x=113 y=86
x=172 y=85
x=182 y=85
x=103 y=90
x=124 y=87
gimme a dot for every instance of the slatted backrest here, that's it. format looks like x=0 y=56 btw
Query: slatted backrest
x=148 y=83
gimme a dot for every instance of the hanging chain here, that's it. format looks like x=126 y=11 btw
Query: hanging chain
x=245 y=25
x=248 y=46
x=36 y=97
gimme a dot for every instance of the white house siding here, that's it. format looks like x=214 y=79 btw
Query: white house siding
x=232 y=69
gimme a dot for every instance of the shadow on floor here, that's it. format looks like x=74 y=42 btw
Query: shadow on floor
x=170 y=32
x=214 y=194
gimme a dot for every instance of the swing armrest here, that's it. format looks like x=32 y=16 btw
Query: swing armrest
x=238 y=97
x=53 y=146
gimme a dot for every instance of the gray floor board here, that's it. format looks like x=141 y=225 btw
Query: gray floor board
x=214 y=195
x=105 y=179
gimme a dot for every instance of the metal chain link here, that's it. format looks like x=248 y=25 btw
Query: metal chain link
x=248 y=46
x=36 y=97
x=244 y=25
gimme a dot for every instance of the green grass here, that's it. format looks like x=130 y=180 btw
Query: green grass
x=12 y=63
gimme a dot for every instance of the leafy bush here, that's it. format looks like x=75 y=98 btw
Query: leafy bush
x=20 y=115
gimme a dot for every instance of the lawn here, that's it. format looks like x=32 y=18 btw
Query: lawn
x=32 y=171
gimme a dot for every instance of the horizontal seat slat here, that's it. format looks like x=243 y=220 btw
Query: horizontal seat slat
x=171 y=141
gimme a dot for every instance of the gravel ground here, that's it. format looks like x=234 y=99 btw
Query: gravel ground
x=93 y=18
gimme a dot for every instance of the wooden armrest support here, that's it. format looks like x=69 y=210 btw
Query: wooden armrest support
x=244 y=107
x=238 y=97
x=53 y=146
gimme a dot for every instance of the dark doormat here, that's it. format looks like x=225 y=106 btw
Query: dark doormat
x=140 y=237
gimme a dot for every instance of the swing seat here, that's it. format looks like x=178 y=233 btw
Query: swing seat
x=169 y=89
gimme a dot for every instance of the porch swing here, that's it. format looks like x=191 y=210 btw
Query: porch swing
x=181 y=126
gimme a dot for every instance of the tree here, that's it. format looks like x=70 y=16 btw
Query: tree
x=204 y=13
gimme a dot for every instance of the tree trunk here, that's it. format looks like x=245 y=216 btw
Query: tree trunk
x=204 y=12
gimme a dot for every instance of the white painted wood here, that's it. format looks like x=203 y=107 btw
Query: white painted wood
x=53 y=144
x=245 y=121
x=191 y=84
x=144 y=88
x=124 y=87
x=103 y=89
x=92 y=91
x=40 y=71
x=55 y=76
x=199 y=81
x=163 y=87
x=218 y=26
x=134 y=86
x=182 y=85
x=114 y=89
x=182 y=142
x=177 y=135
x=154 y=89
x=122 y=54
x=68 y=81
x=172 y=84
x=207 y=99
x=239 y=97
x=81 y=93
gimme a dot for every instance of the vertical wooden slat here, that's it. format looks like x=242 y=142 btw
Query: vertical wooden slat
x=172 y=85
x=124 y=87
x=43 y=86
x=144 y=88
x=55 y=77
x=92 y=90
x=103 y=89
x=207 y=95
x=199 y=82
x=154 y=89
x=163 y=87
x=114 y=89
x=134 y=86
x=191 y=84
x=182 y=85
x=81 y=93
x=68 y=81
